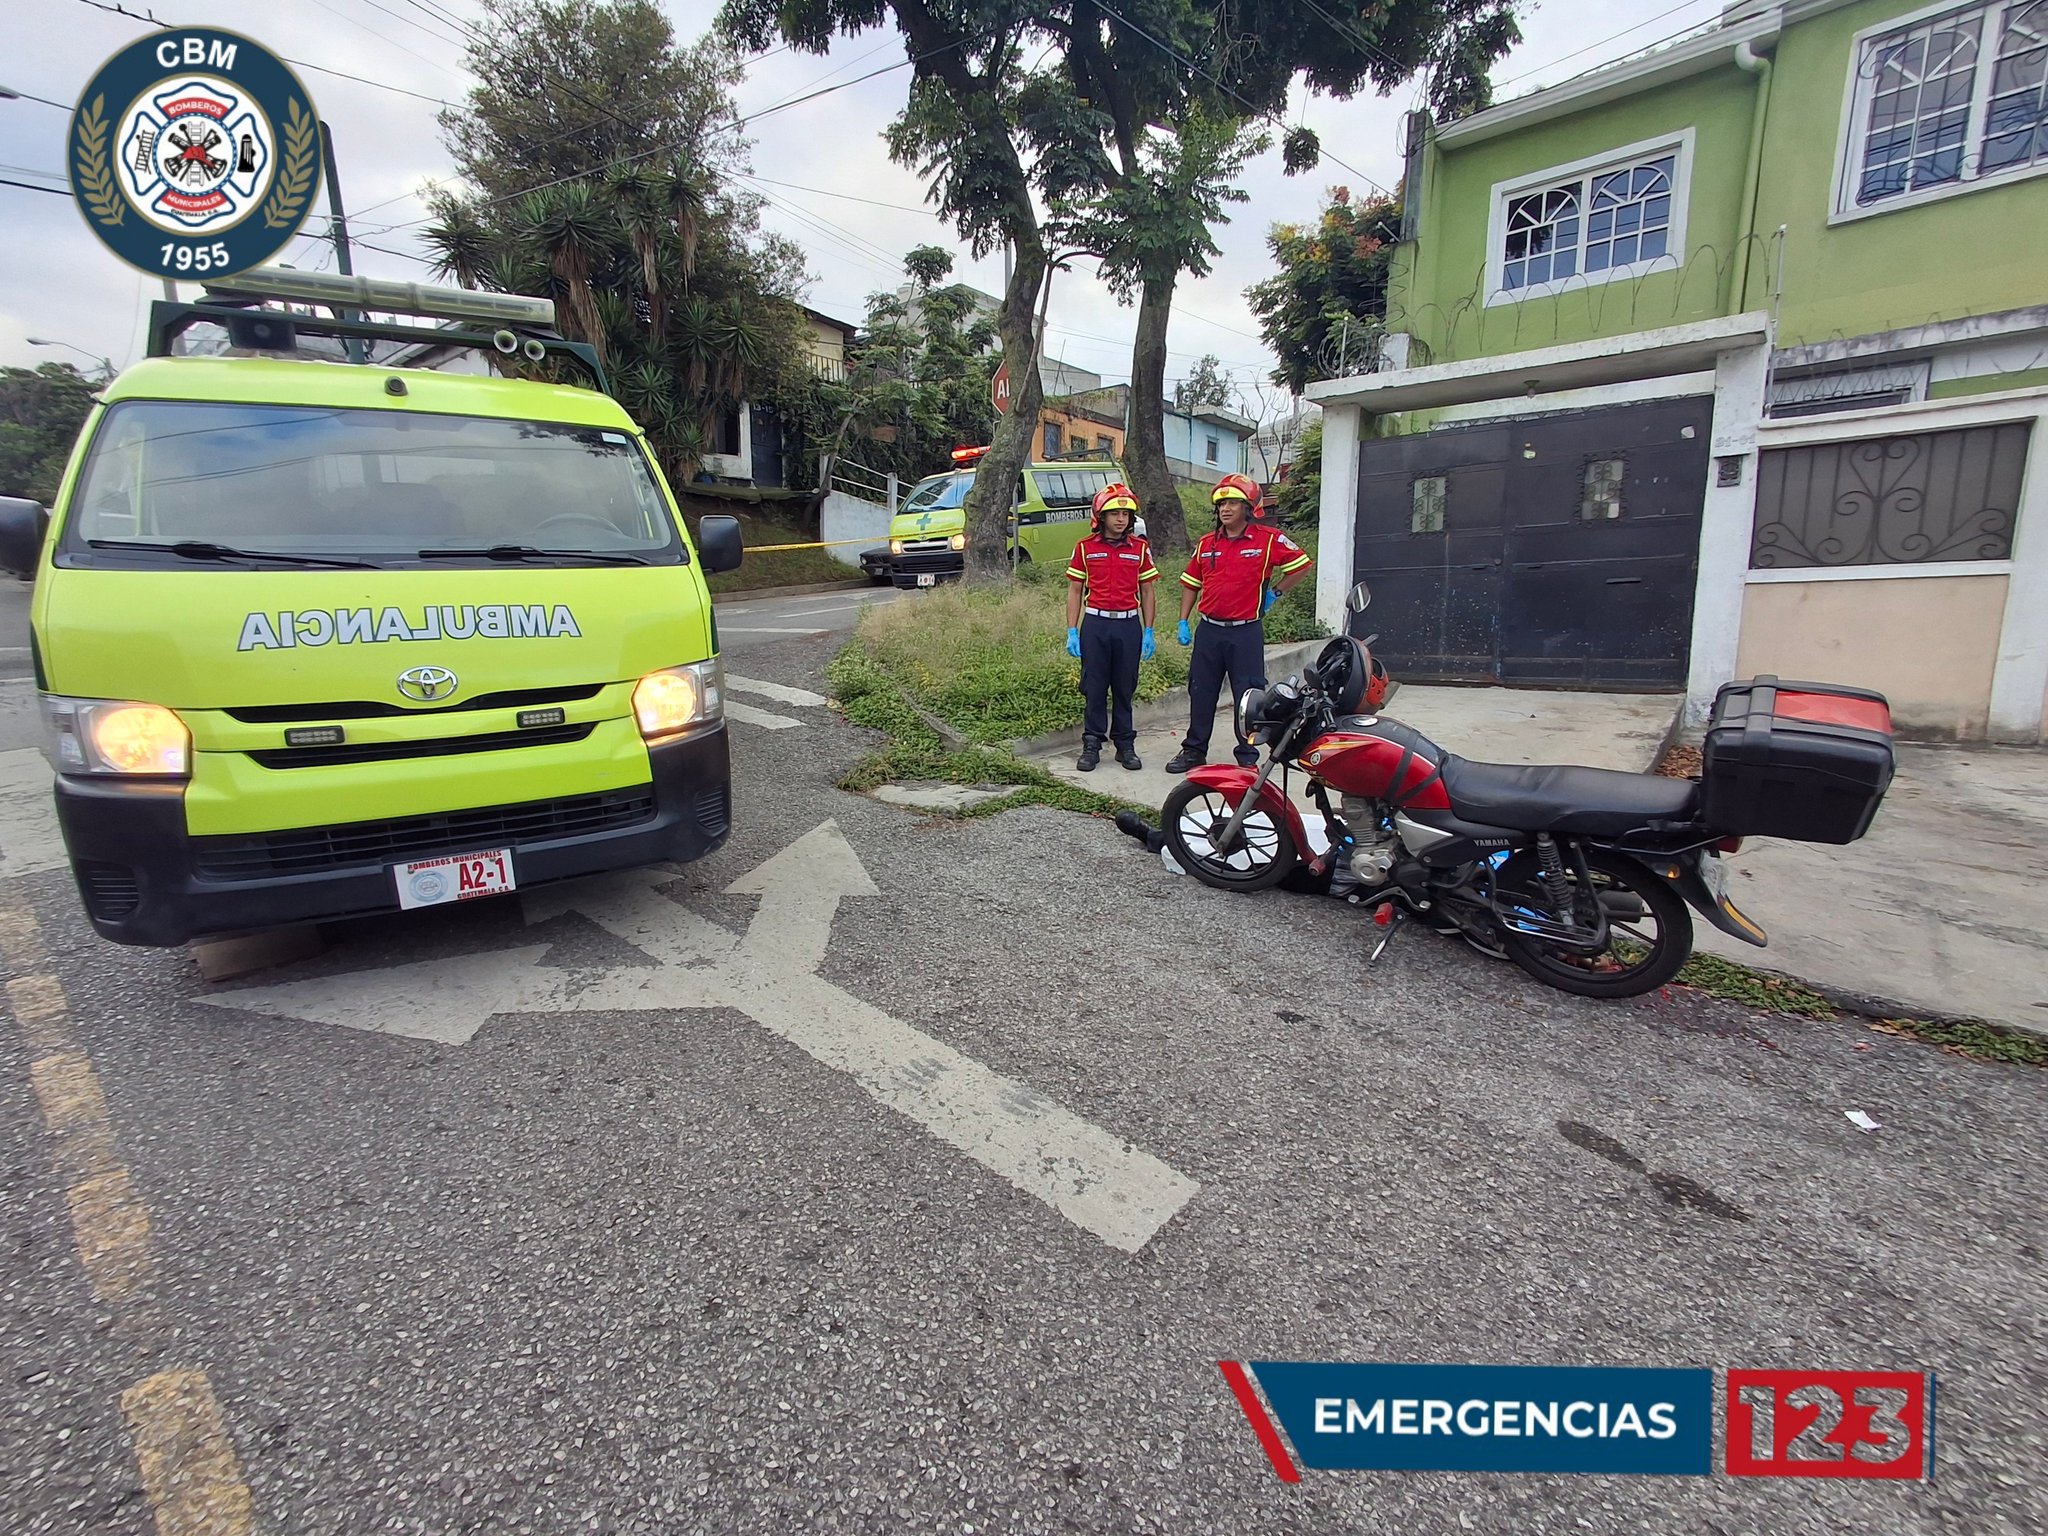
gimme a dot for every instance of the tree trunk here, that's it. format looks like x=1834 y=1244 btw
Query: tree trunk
x=996 y=478
x=1145 y=436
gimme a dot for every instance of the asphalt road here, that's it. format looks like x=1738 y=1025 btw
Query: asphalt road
x=706 y=1209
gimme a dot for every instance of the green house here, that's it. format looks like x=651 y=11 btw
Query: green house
x=1728 y=358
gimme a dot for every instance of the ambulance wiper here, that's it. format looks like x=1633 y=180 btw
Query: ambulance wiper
x=529 y=552
x=199 y=549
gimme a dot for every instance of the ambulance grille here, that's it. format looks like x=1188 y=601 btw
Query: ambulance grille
x=439 y=746
x=369 y=709
x=308 y=850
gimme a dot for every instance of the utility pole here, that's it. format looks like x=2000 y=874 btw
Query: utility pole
x=337 y=225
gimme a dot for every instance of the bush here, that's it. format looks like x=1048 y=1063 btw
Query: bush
x=991 y=659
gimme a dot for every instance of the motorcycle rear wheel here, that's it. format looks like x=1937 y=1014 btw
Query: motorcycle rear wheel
x=1192 y=817
x=1642 y=953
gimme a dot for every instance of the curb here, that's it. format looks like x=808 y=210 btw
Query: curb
x=752 y=594
x=1173 y=704
x=1865 y=1005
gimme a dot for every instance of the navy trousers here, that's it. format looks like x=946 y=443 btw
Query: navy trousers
x=1109 y=677
x=1236 y=649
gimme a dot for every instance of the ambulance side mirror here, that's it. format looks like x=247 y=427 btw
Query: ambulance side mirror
x=23 y=525
x=718 y=541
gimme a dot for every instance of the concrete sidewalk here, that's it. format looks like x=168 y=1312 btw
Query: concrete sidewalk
x=1941 y=908
x=1502 y=725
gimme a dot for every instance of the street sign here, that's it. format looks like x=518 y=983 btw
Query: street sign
x=999 y=390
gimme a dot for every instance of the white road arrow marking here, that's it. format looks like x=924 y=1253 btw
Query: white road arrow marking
x=800 y=890
x=1097 y=1180
x=776 y=691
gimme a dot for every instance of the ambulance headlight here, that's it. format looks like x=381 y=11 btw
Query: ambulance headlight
x=958 y=541
x=677 y=698
x=895 y=546
x=116 y=736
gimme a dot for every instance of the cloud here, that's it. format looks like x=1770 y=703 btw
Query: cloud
x=821 y=166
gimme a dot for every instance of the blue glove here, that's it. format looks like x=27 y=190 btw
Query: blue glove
x=1184 y=635
x=1272 y=597
x=1145 y=646
x=1074 y=643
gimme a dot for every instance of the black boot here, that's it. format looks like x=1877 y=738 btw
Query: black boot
x=1184 y=759
x=1091 y=754
x=1127 y=757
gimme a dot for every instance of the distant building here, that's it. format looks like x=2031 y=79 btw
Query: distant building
x=1205 y=444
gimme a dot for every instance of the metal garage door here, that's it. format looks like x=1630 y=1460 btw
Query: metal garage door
x=1553 y=549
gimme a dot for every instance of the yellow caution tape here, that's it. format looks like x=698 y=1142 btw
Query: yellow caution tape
x=756 y=549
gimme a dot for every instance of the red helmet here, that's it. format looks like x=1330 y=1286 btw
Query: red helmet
x=1115 y=498
x=1239 y=487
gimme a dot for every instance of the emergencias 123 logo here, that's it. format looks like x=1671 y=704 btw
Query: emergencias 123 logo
x=194 y=153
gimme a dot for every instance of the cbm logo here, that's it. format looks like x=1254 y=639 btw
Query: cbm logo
x=194 y=153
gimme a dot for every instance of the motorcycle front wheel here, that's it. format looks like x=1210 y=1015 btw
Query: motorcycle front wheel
x=1649 y=931
x=1194 y=817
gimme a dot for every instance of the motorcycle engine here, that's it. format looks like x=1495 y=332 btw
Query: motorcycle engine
x=1372 y=859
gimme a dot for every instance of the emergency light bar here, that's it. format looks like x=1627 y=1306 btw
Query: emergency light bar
x=387 y=296
x=968 y=455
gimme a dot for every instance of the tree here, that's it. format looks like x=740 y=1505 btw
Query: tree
x=662 y=273
x=1200 y=75
x=1204 y=385
x=41 y=412
x=1324 y=311
x=568 y=89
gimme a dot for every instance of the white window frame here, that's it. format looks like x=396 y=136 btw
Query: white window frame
x=1856 y=107
x=1678 y=145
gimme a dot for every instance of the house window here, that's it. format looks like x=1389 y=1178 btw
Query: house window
x=1427 y=515
x=1616 y=215
x=1105 y=445
x=1939 y=106
x=1052 y=439
x=725 y=432
x=1602 y=496
x=1211 y=449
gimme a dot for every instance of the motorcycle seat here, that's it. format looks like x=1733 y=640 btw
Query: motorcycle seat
x=1592 y=802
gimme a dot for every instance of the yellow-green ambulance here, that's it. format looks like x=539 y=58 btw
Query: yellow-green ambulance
x=318 y=638
x=928 y=535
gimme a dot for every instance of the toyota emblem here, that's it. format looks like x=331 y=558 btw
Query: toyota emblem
x=426 y=684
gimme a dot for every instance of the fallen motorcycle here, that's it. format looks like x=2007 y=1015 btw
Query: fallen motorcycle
x=1581 y=876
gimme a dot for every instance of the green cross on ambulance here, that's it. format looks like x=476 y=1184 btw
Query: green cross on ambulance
x=319 y=638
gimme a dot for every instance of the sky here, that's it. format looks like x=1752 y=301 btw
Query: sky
x=821 y=164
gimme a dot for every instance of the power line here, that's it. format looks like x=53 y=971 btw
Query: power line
x=61 y=106
x=29 y=186
x=382 y=38
x=1249 y=105
x=1537 y=69
x=847 y=196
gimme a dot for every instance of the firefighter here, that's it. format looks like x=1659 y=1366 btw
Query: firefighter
x=1111 y=593
x=1227 y=580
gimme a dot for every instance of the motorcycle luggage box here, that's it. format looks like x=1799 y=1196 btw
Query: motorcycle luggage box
x=1805 y=761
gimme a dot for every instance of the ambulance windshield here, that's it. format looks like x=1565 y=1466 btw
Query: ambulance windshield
x=382 y=487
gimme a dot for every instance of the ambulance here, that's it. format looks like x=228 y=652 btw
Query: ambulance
x=320 y=636
x=928 y=535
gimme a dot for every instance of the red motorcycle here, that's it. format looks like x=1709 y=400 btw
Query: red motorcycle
x=1581 y=876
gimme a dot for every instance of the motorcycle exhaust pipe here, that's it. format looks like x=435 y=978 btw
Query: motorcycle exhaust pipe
x=1622 y=906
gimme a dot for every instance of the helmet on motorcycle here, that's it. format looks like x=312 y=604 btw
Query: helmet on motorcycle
x=1237 y=488
x=1115 y=498
x=1343 y=670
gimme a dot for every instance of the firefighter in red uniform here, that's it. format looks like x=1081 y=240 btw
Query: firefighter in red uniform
x=1227 y=578
x=1112 y=576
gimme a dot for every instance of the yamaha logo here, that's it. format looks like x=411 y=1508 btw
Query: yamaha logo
x=426 y=684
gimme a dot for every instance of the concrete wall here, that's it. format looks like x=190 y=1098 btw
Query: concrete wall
x=1929 y=644
x=847 y=517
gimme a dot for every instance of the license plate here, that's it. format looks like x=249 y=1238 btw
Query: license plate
x=927 y=580
x=456 y=877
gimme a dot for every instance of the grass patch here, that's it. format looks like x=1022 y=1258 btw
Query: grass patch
x=761 y=525
x=1973 y=1038
x=867 y=694
x=990 y=658
x=1739 y=984
x=1776 y=994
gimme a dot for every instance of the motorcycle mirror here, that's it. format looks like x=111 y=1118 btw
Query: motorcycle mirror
x=1359 y=597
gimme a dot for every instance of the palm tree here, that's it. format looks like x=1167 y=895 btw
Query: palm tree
x=575 y=229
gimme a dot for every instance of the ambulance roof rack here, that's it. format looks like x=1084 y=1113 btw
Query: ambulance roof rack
x=524 y=325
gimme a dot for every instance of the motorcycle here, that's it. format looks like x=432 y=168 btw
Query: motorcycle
x=1583 y=877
